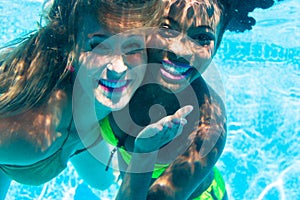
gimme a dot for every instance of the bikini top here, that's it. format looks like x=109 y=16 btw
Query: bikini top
x=109 y=137
x=43 y=170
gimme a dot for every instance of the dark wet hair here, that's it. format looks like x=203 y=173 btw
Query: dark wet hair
x=238 y=10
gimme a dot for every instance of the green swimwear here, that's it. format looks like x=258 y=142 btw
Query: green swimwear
x=216 y=190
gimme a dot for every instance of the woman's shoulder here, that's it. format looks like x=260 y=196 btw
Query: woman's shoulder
x=36 y=133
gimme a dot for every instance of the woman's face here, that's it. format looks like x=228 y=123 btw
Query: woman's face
x=110 y=67
x=185 y=43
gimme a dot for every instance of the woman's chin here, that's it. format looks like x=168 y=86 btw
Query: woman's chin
x=115 y=103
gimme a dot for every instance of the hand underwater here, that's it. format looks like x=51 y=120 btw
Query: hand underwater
x=155 y=135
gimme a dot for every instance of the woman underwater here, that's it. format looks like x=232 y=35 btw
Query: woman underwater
x=38 y=134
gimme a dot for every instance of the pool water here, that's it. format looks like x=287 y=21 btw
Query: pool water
x=261 y=76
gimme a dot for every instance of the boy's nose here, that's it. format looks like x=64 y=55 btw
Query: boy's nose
x=182 y=47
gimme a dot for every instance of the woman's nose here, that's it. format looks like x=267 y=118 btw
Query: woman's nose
x=116 y=68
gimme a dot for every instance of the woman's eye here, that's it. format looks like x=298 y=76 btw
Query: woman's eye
x=135 y=51
x=133 y=46
x=98 y=45
x=93 y=45
x=167 y=31
x=97 y=42
x=102 y=49
x=203 y=39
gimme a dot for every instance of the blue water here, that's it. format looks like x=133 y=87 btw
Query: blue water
x=260 y=71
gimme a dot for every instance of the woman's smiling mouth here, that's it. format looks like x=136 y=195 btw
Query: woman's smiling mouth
x=113 y=85
x=174 y=70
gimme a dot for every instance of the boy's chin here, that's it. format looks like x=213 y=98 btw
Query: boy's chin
x=172 y=87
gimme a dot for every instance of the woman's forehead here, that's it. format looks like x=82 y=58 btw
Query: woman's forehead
x=193 y=12
x=129 y=14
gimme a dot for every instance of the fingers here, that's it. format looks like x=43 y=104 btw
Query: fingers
x=184 y=111
x=156 y=135
x=178 y=117
x=167 y=128
x=173 y=126
x=175 y=122
x=167 y=124
x=181 y=121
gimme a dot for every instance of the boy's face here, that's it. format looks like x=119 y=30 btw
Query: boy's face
x=185 y=43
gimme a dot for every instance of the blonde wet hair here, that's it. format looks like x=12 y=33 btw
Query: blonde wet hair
x=31 y=71
x=129 y=14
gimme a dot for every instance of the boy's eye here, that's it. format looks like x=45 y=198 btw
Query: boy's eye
x=165 y=26
x=203 y=39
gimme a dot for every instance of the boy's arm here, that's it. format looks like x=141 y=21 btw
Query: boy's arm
x=136 y=182
x=186 y=174
x=138 y=176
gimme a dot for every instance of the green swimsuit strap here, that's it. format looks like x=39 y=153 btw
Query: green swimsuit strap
x=108 y=135
x=107 y=132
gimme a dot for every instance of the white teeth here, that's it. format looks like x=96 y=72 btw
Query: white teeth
x=175 y=69
x=113 y=84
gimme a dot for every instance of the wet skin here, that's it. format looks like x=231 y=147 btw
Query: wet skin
x=181 y=50
x=183 y=46
x=110 y=67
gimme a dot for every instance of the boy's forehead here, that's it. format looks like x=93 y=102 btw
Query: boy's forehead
x=193 y=12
